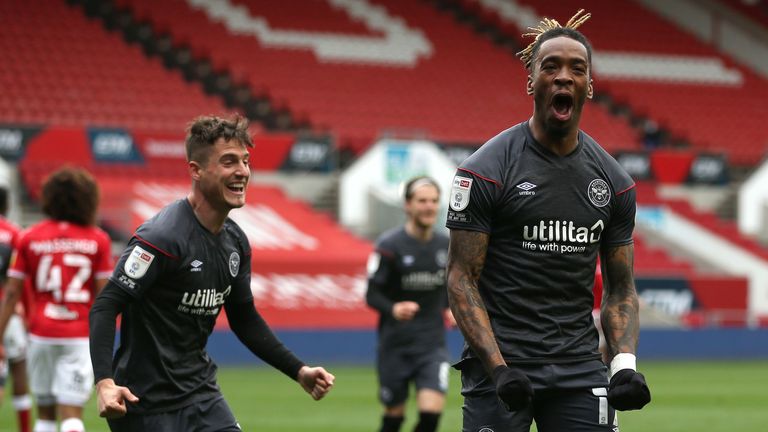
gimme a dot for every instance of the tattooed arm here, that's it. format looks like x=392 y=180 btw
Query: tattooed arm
x=619 y=314
x=466 y=257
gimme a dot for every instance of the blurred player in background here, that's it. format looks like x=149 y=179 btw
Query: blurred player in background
x=68 y=260
x=406 y=286
x=529 y=213
x=179 y=269
x=15 y=337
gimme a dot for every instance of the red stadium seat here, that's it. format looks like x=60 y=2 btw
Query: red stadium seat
x=713 y=117
x=466 y=90
x=73 y=72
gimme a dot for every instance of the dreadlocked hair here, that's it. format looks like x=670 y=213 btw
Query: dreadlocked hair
x=552 y=28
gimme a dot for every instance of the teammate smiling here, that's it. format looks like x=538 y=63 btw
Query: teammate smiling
x=180 y=268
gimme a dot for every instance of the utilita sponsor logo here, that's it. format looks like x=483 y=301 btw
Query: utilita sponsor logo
x=205 y=298
x=565 y=231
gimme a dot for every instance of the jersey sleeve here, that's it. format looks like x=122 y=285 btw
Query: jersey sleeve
x=622 y=223
x=139 y=266
x=381 y=265
x=471 y=203
x=19 y=262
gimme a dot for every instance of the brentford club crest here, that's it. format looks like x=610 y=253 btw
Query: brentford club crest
x=599 y=193
x=234 y=264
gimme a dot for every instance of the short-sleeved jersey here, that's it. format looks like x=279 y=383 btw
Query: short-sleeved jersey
x=547 y=217
x=180 y=275
x=8 y=234
x=62 y=261
x=403 y=268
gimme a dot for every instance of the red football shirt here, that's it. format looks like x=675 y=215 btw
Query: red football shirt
x=62 y=262
x=8 y=233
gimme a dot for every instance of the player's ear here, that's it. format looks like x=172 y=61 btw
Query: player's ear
x=194 y=169
x=590 y=89
x=529 y=85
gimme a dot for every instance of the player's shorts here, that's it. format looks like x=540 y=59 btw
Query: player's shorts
x=212 y=415
x=397 y=369
x=15 y=344
x=570 y=397
x=15 y=340
x=60 y=373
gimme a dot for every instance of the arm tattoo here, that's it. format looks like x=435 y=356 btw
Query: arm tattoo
x=466 y=257
x=619 y=314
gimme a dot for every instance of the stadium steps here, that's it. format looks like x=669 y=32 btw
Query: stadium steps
x=727 y=209
x=254 y=103
x=328 y=201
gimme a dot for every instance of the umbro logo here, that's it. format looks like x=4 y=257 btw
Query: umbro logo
x=526 y=188
x=196 y=266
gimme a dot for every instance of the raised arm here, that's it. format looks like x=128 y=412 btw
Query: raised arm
x=620 y=318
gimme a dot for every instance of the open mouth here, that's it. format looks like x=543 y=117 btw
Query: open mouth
x=562 y=103
x=238 y=188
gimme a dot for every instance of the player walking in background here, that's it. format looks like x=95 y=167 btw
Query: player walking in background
x=179 y=269
x=529 y=213
x=407 y=287
x=15 y=337
x=67 y=260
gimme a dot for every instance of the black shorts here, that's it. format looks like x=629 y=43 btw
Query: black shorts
x=212 y=415
x=397 y=369
x=568 y=397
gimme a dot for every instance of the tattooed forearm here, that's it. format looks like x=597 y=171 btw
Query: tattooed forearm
x=466 y=257
x=619 y=313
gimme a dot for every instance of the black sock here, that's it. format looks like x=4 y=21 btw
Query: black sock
x=391 y=424
x=427 y=422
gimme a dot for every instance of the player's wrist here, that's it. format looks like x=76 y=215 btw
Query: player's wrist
x=105 y=382
x=623 y=361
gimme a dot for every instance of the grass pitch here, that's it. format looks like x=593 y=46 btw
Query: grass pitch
x=687 y=396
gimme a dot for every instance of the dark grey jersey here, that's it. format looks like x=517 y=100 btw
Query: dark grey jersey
x=403 y=268
x=547 y=217
x=180 y=276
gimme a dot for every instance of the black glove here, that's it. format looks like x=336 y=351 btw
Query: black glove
x=513 y=387
x=628 y=390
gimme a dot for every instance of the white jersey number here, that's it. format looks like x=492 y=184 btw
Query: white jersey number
x=49 y=278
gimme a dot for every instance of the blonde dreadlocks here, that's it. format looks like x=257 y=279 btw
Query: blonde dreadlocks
x=545 y=25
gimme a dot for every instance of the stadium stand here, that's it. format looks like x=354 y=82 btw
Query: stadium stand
x=441 y=79
x=727 y=229
x=71 y=72
x=703 y=92
x=450 y=84
x=756 y=11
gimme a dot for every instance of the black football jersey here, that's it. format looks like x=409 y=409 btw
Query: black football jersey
x=547 y=217
x=180 y=275
x=405 y=268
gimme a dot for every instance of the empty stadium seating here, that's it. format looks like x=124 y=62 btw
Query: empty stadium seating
x=725 y=118
x=646 y=195
x=755 y=11
x=461 y=88
x=61 y=68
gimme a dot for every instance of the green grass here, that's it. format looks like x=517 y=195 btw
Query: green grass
x=687 y=396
